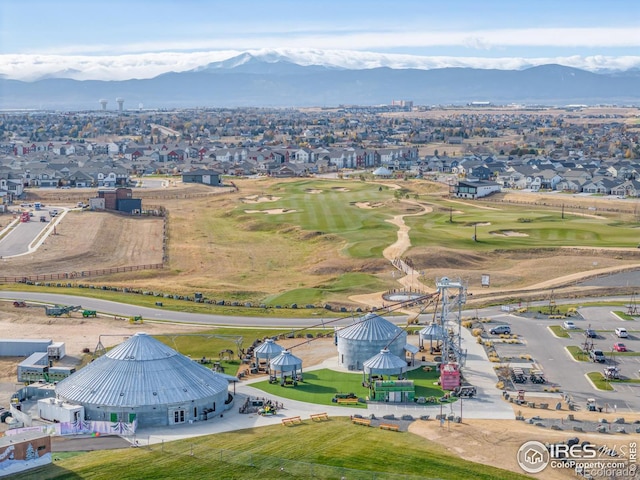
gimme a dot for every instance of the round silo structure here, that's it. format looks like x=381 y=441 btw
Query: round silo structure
x=384 y=363
x=286 y=367
x=265 y=352
x=142 y=379
x=431 y=332
x=364 y=339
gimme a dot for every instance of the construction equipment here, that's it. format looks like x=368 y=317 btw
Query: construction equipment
x=137 y=319
x=89 y=313
x=19 y=304
x=58 y=310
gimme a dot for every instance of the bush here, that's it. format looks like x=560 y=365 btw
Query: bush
x=476 y=332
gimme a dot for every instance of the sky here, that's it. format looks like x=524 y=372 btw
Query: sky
x=117 y=39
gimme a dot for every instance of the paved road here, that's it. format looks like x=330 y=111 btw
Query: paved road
x=20 y=239
x=126 y=310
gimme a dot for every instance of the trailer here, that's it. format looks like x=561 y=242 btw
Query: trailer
x=55 y=410
x=58 y=310
x=56 y=351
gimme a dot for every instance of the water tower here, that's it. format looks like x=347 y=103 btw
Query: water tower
x=120 y=101
x=103 y=102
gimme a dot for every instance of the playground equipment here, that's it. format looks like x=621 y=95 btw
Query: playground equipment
x=89 y=313
x=137 y=319
x=59 y=310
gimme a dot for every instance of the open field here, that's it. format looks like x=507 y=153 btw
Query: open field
x=314 y=241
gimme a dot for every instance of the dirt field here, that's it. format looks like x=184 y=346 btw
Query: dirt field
x=90 y=241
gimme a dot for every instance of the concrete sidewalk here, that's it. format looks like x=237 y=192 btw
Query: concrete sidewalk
x=478 y=371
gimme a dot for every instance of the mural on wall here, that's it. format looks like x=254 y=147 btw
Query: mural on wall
x=19 y=453
x=85 y=427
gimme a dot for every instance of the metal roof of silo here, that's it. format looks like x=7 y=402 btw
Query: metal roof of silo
x=268 y=349
x=385 y=362
x=433 y=331
x=140 y=371
x=371 y=327
x=285 y=362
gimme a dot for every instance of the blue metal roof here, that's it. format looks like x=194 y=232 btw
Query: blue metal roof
x=140 y=371
x=386 y=363
x=285 y=362
x=371 y=328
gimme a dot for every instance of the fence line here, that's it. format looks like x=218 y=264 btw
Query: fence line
x=74 y=275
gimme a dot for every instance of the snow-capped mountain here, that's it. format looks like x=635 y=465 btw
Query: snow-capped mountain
x=294 y=78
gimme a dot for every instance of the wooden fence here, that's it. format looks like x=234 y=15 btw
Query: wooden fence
x=75 y=275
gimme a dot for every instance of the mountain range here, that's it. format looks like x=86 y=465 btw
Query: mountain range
x=252 y=81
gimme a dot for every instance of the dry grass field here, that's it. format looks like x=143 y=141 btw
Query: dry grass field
x=206 y=255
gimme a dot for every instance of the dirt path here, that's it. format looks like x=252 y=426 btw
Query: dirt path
x=407 y=276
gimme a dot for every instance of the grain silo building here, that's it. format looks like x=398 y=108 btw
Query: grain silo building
x=366 y=338
x=143 y=379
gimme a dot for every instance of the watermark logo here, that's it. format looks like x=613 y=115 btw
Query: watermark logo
x=587 y=459
x=533 y=457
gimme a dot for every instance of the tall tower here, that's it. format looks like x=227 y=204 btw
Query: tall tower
x=103 y=102
x=120 y=103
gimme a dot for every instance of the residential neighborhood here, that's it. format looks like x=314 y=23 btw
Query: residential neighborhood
x=534 y=150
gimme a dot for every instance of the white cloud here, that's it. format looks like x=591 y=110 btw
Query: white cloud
x=386 y=39
x=123 y=67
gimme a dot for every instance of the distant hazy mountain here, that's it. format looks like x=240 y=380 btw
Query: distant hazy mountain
x=274 y=81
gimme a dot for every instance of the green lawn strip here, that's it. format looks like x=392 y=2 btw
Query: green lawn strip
x=558 y=331
x=320 y=386
x=176 y=305
x=577 y=353
x=599 y=381
x=623 y=315
x=304 y=451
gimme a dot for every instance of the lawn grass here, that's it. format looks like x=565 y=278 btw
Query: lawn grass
x=558 y=331
x=577 y=353
x=212 y=343
x=599 y=381
x=623 y=315
x=327 y=449
x=320 y=386
x=536 y=226
x=171 y=304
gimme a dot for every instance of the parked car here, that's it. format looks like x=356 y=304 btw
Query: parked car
x=597 y=356
x=569 y=325
x=500 y=330
x=621 y=332
x=589 y=333
x=619 y=347
x=611 y=372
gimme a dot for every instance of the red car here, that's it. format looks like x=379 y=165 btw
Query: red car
x=619 y=347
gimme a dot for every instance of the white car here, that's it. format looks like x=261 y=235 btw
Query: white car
x=622 y=332
x=569 y=325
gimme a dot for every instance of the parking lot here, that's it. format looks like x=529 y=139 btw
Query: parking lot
x=21 y=237
x=538 y=348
